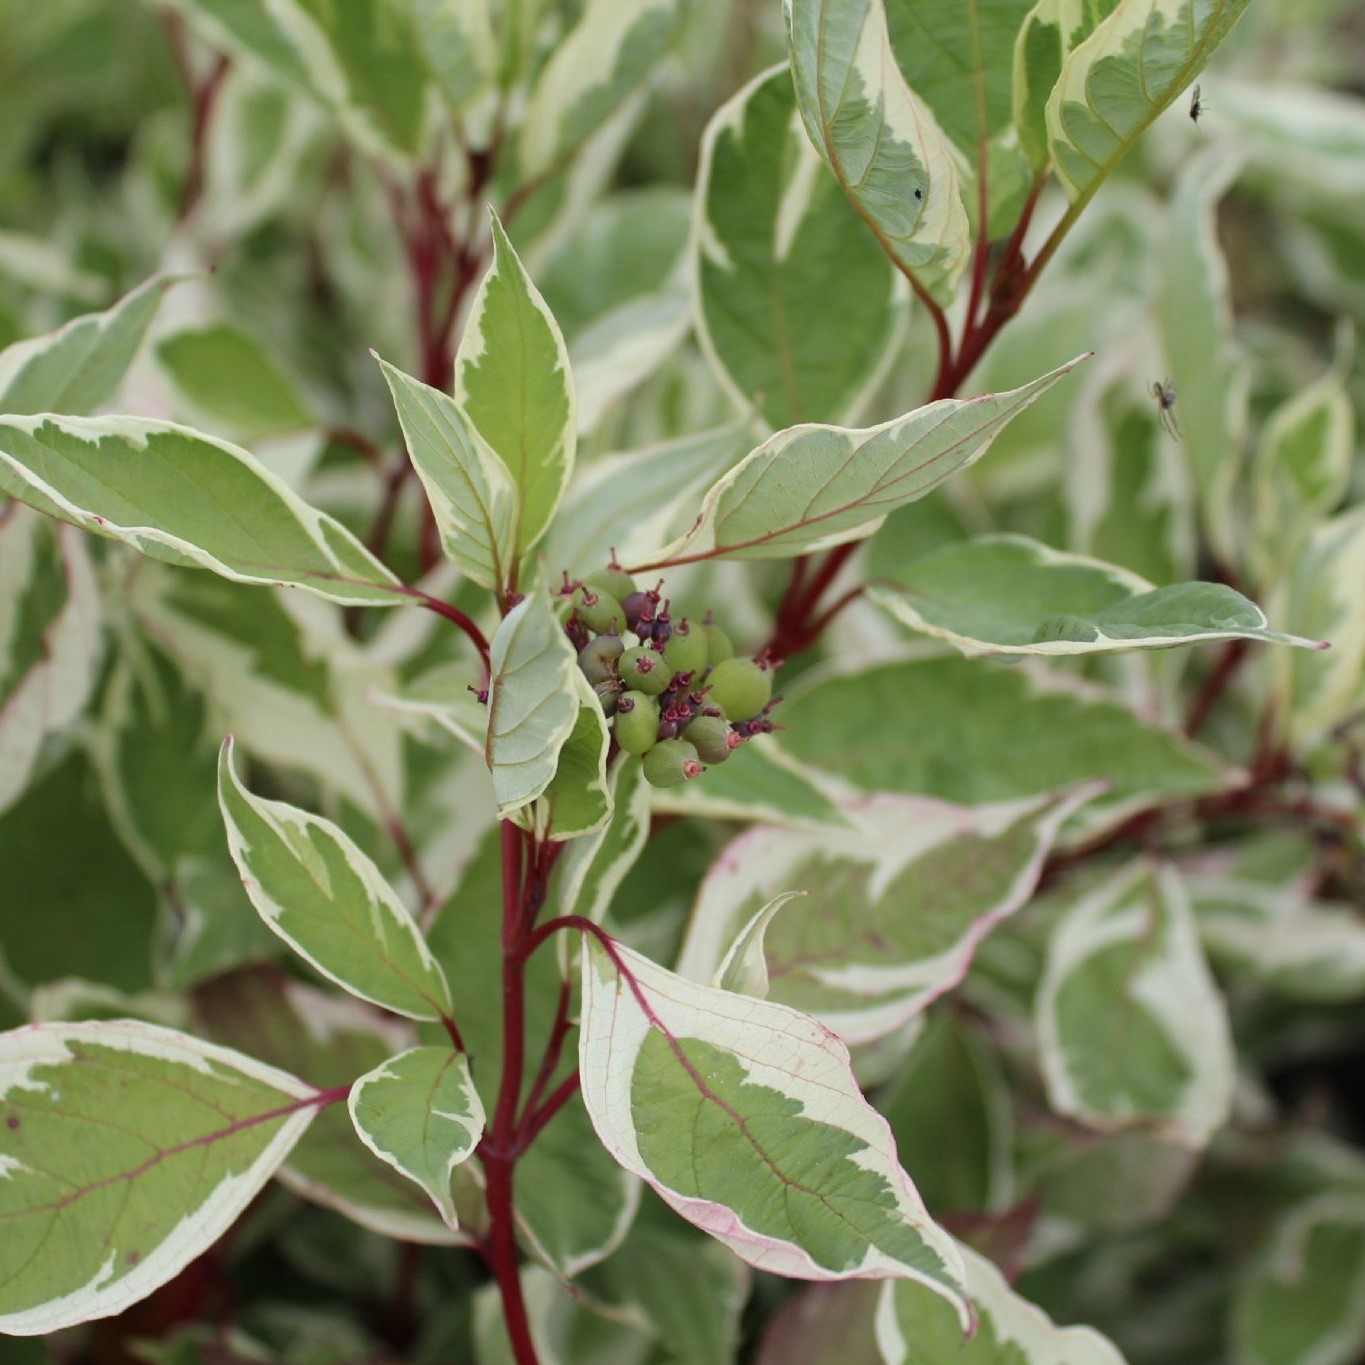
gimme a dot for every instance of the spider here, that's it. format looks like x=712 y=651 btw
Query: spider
x=1165 y=403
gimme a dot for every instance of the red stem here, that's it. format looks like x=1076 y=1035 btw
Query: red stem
x=534 y=1124
x=1215 y=685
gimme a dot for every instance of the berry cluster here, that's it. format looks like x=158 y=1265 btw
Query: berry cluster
x=680 y=698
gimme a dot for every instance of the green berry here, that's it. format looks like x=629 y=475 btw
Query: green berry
x=598 y=658
x=712 y=738
x=740 y=687
x=686 y=648
x=597 y=610
x=637 y=722
x=645 y=669
x=718 y=646
x=615 y=583
x=671 y=762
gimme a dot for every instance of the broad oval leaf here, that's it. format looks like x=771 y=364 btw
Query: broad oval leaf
x=812 y=487
x=186 y=498
x=1131 y=1027
x=1011 y=595
x=880 y=139
x=327 y=900
x=419 y=1111
x=975 y=734
x=1114 y=84
x=79 y=367
x=513 y=385
x=98 y=1214
x=1304 y=1301
x=603 y=58
x=916 y=1328
x=775 y=241
x=896 y=904
x=745 y=1117
x=533 y=702
x=470 y=489
x=49 y=639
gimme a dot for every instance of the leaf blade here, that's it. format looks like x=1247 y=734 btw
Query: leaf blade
x=420 y=1113
x=318 y=892
x=186 y=1099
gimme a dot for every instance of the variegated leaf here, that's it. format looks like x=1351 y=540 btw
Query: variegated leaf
x=188 y=499
x=99 y=1214
x=812 y=487
x=514 y=389
x=916 y=1328
x=1010 y=595
x=880 y=139
x=896 y=903
x=1114 y=84
x=79 y=367
x=775 y=239
x=420 y=1113
x=471 y=490
x=327 y=900
x=744 y=1116
x=49 y=638
x=533 y=702
x=1131 y=1027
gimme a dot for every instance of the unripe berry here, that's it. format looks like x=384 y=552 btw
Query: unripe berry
x=718 y=646
x=597 y=610
x=645 y=670
x=672 y=762
x=640 y=604
x=614 y=582
x=712 y=738
x=598 y=658
x=740 y=687
x=637 y=722
x=686 y=648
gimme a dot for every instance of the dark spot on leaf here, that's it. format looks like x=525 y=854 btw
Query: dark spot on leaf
x=11 y=1123
x=134 y=1257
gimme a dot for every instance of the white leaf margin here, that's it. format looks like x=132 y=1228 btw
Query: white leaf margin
x=1174 y=983
x=1018 y=1323
x=779 y=1048
x=45 y=1045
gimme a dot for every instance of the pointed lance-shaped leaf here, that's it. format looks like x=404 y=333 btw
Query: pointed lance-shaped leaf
x=1010 y=595
x=470 y=489
x=880 y=139
x=513 y=385
x=79 y=367
x=745 y=1117
x=1114 y=84
x=419 y=1112
x=188 y=499
x=328 y=901
x=97 y=1213
x=533 y=702
x=811 y=487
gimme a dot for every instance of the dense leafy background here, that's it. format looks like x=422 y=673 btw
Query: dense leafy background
x=689 y=250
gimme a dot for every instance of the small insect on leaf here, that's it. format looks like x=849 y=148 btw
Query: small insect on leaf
x=1164 y=393
x=1196 y=104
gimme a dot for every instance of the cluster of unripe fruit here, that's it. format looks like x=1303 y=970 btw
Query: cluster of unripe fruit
x=679 y=698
